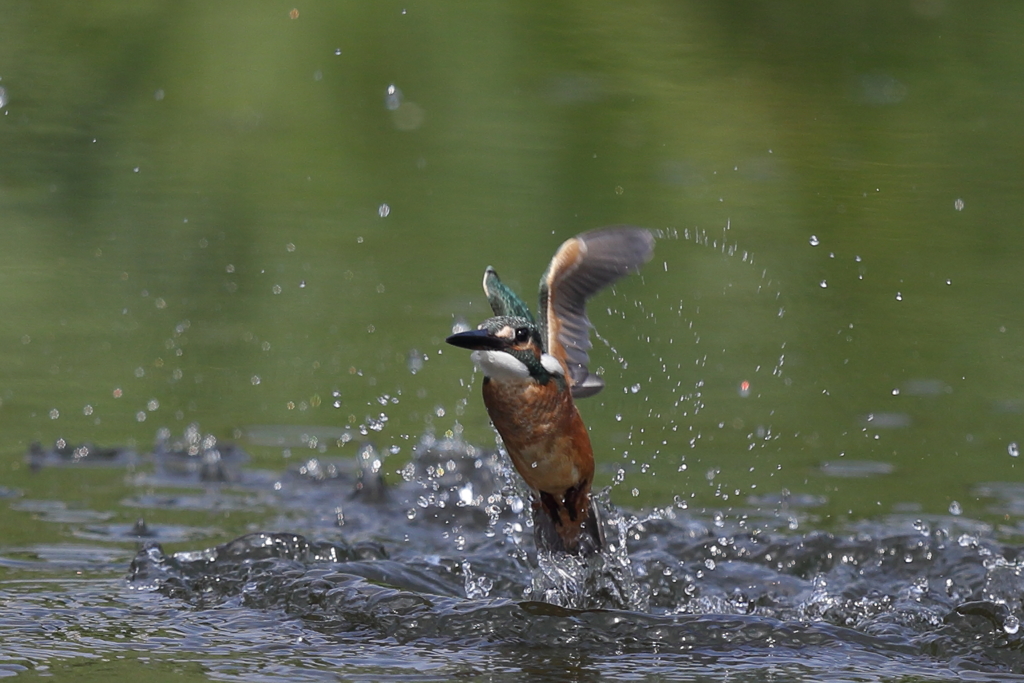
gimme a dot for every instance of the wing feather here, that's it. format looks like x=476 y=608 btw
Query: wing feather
x=581 y=267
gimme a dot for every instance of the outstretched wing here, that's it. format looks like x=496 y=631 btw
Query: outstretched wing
x=584 y=265
x=503 y=300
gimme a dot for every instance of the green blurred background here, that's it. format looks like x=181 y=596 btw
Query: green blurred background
x=242 y=214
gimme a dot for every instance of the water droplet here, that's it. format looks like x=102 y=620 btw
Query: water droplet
x=383 y=210
x=955 y=509
x=415 y=361
x=823 y=284
x=618 y=417
x=896 y=392
x=87 y=410
x=140 y=416
x=1013 y=449
x=152 y=405
x=958 y=204
x=899 y=296
x=393 y=98
x=814 y=241
x=3 y=98
x=337 y=51
x=255 y=380
x=276 y=289
x=1011 y=625
x=635 y=388
x=54 y=414
x=289 y=247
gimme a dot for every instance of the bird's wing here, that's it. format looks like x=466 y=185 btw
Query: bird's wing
x=584 y=265
x=502 y=299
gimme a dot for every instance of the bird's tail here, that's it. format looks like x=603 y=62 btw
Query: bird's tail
x=574 y=529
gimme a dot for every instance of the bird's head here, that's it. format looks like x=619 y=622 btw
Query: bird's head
x=509 y=347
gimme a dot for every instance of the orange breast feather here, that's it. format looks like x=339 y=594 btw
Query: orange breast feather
x=543 y=433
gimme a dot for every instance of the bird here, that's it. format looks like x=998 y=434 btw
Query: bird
x=534 y=369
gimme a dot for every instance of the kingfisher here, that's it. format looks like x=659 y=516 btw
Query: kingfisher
x=533 y=372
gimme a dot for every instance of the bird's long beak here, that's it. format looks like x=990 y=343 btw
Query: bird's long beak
x=476 y=340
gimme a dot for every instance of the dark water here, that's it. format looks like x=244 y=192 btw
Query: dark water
x=266 y=221
x=450 y=585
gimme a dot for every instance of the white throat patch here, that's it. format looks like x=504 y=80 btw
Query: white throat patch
x=500 y=365
x=551 y=364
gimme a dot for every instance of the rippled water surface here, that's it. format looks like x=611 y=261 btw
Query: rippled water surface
x=450 y=586
x=233 y=237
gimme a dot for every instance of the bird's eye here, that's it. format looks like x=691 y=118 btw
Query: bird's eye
x=522 y=334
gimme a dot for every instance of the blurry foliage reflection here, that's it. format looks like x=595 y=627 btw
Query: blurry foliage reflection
x=193 y=215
